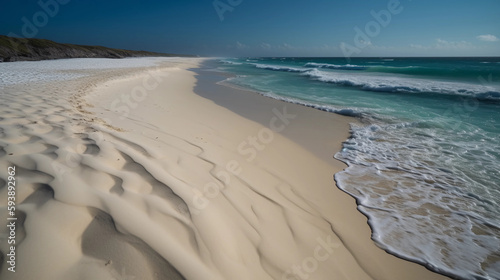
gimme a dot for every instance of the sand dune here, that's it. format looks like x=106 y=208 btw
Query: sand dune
x=128 y=174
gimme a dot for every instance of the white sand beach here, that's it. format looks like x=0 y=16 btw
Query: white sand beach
x=131 y=173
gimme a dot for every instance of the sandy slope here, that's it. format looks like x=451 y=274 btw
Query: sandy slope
x=140 y=178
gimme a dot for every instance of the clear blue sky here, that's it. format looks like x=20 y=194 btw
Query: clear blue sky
x=265 y=27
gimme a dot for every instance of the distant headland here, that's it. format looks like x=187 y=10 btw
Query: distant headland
x=23 y=49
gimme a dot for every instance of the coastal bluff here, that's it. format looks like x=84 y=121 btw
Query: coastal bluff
x=24 y=49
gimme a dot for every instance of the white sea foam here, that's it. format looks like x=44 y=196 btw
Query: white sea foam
x=385 y=83
x=335 y=66
x=419 y=210
x=351 y=112
x=404 y=85
x=230 y=62
x=279 y=68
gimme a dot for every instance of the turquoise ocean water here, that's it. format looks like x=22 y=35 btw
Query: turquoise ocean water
x=424 y=162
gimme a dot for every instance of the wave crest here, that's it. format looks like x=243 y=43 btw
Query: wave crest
x=335 y=66
x=404 y=85
x=279 y=68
